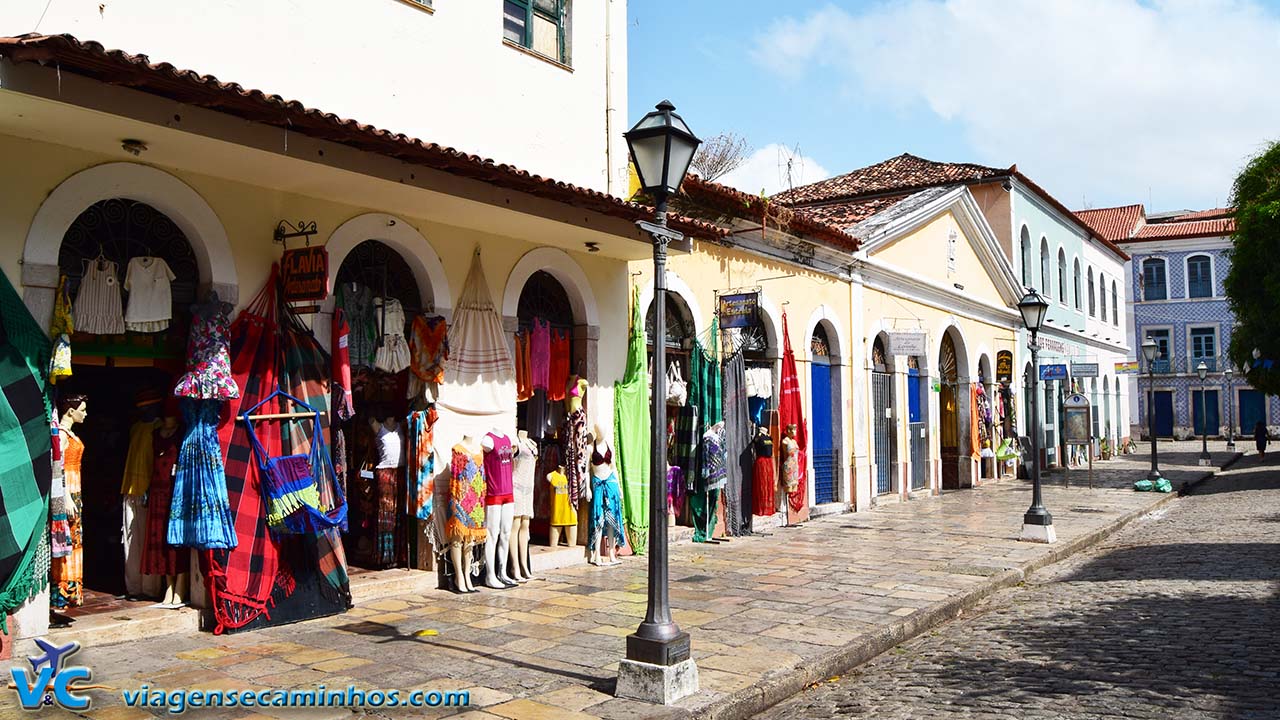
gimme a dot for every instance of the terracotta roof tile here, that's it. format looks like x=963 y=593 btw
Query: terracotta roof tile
x=1116 y=223
x=92 y=60
x=705 y=192
x=1214 y=214
x=904 y=172
x=1191 y=229
x=849 y=212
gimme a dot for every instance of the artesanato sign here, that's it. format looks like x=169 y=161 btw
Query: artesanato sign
x=1004 y=366
x=738 y=311
x=907 y=343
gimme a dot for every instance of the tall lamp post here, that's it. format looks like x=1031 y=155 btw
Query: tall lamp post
x=1037 y=523
x=658 y=667
x=1150 y=351
x=1231 y=414
x=1202 y=371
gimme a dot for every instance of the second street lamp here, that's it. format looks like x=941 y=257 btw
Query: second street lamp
x=1202 y=371
x=1037 y=523
x=658 y=667
x=1150 y=351
x=1231 y=414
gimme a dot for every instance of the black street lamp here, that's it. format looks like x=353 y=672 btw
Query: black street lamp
x=1151 y=351
x=1037 y=523
x=658 y=667
x=1231 y=414
x=1202 y=371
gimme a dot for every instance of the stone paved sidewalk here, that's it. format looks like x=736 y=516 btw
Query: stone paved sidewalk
x=768 y=615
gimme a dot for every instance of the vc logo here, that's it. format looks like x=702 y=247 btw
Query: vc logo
x=49 y=680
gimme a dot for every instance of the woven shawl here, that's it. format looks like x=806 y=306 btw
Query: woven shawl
x=631 y=428
x=739 y=460
x=791 y=412
x=479 y=366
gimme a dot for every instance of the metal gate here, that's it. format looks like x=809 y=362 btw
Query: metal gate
x=918 y=428
x=824 y=467
x=881 y=395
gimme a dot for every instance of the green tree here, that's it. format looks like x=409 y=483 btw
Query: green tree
x=1253 y=285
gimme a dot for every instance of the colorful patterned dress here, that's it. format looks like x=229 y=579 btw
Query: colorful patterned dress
x=466 y=497
x=764 y=477
x=67 y=588
x=200 y=514
x=606 y=502
x=421 y=461
x=576 y=453
x=208 y=375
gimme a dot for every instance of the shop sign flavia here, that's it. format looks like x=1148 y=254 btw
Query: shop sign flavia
x=1004 y=366
x=907 y=343
x=1084 y=370
x=305 y=274
x=739 y=310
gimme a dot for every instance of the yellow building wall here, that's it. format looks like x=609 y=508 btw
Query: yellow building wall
x=924 y=253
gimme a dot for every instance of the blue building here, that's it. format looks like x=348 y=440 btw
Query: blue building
x=1175 y=296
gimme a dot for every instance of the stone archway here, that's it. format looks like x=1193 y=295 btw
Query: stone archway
x=586 y=313
x=954 y=379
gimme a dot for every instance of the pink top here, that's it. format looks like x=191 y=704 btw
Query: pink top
x=498 y=471
x=540 y=354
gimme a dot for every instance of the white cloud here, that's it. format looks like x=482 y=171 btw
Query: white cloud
x=768 y=167
x=1102 y=99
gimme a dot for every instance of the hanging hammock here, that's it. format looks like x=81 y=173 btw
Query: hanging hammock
x=291 y=482
x=479 y=361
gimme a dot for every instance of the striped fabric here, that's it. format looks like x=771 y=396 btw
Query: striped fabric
x=479 y=361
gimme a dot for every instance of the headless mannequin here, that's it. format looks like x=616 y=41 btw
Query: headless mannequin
x=526 y=454
x=790 y=459
x=174 y=585
x=568 y=532
x=575 y=392
x=497 y=517
x=601 y=471
x=459 y=550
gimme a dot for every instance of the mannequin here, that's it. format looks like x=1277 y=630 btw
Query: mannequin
x=763 y=480
x=158 y=556
x=526 y=462
x=606 y=503
x=790 y=467
x=389 y=546
x=465 y=525
x=577 y=446
x=67 y=572
x=134 y=486
x=564 y=519
x=499 y=511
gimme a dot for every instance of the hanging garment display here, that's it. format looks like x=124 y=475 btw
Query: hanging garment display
x=67 y=587
x=791 y=412
x=631 y=427
x=466 y=497
x=479 y=359
x=563 y=513
x=977 y=426
x=26 y=479
x=558 y=379
x=61 y=329
x=392 y=355
x=523 y=470
x=540 y=354
x=199 y=515
x=524 y=379
x=428 y=348
x=606 y=502
x=134 y=488
x=739 y=461
x=576 y=451
x=208 y=375
x=421 y=462
x=343 y=407
x=714 y=477
x=150 y=298
x=98 y=308
x=759 y=392
x=356 y=302
x=158 y=556
x=59 y=523
x=685 y=445
x=675 y=489
x=764 y=479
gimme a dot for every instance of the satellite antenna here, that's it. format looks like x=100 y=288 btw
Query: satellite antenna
x=790 y=166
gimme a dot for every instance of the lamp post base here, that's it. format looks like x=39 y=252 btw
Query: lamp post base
x=1038 y=533
x=1154 y=475
x=657 y=684
x=1205 y=460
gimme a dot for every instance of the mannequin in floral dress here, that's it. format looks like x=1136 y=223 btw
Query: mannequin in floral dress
x=67 y=572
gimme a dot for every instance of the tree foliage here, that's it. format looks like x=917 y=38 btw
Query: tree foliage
x=720 y=155
x=1253 y=284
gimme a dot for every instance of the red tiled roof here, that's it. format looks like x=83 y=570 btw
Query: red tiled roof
x=1181 y=230
x=707 y=193
x=849 y=212
x=904 y=172
x=1116 y=223
x=1214 y=214
x=137 y=72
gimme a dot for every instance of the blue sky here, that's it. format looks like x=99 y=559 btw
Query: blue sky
x=1103 y=102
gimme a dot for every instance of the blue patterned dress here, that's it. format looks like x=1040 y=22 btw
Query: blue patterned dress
x=200 y=514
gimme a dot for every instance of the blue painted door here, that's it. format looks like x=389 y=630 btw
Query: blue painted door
x=918 y=426
x=1210 y=409
x=1164 y=413
x=1253 y=409
x=824 y=466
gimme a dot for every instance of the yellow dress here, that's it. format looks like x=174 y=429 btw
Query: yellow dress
x=138 y=463
x=562 y=512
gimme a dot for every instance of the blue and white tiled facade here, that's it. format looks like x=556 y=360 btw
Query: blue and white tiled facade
x=1174 y=320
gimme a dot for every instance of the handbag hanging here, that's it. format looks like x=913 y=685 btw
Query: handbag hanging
x=677 y=389
x=291 y=482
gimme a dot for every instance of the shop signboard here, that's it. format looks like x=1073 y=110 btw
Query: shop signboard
x=1128 y=367
x=1004 y=366
x=738 y=310
x=907 y=343
x=1053 y=372
x=305 y=274
x=1052 y=345
x=1076 y=420
x=1084 y=370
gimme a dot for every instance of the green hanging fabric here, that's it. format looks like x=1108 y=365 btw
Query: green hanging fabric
x=705 y=392
x=631 y=431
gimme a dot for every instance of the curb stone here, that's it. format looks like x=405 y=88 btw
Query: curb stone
x=787 y=682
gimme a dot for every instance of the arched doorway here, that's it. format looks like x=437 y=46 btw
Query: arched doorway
x=124 y=376
x=825 y=422
x=949 y=411
x=882 y=414
x=987 y=430
x=1107 y=429
x=680 y=332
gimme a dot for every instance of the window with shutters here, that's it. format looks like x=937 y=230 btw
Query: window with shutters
x=1062 y=277
x=1199 y=277
x=538 y=25
x=1093 y=305
x=1204 y=344
x=1154 y=286
x=1076 y=283
x=1115 y=306
x=1026 y=257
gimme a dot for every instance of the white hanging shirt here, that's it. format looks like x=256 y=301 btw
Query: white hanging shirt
x=150 y=298
x=390 y=447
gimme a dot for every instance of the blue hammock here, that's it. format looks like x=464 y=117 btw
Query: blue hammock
x=291 y=483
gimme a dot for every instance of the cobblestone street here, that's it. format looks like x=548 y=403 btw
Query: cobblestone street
x=1175 y=617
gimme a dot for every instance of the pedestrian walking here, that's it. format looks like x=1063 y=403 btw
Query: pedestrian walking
x=1260 y=438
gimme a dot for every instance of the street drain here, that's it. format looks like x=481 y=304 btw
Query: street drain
x=694 y=578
